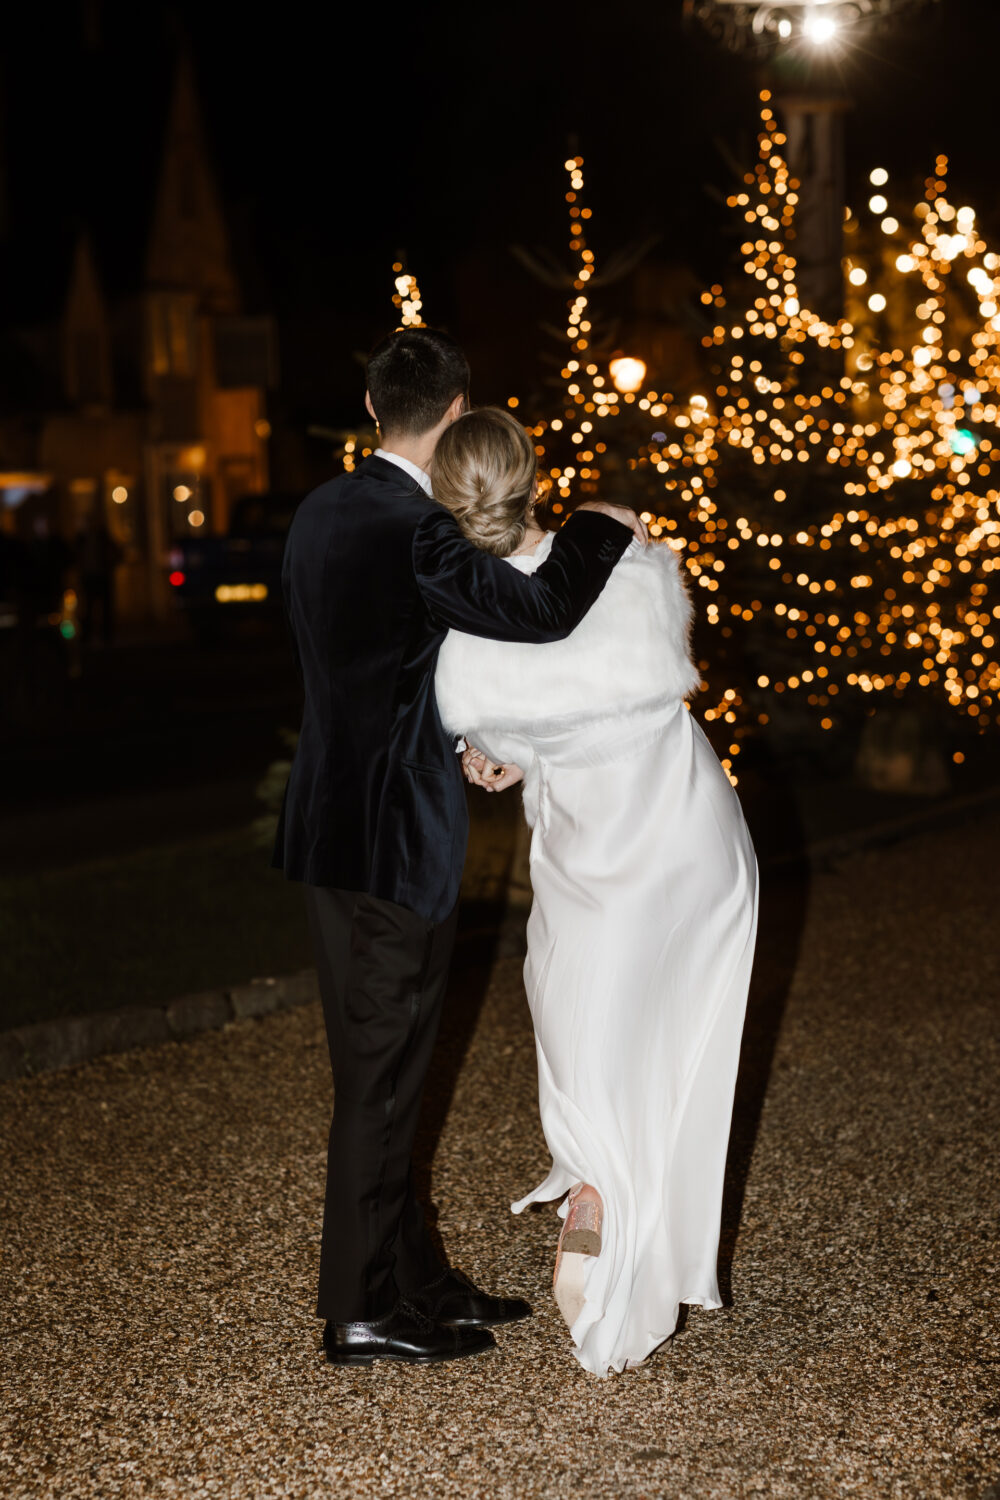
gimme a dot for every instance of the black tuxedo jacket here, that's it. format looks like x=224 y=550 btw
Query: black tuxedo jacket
x=374 y=575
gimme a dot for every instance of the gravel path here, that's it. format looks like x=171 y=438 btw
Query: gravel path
x=160 y=1214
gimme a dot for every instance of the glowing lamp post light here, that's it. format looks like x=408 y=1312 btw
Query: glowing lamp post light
x=765 y=25
x=627 y=374
x=808 y=46
x=817 y=27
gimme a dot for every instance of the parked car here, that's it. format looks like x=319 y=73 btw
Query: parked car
x=217 y=579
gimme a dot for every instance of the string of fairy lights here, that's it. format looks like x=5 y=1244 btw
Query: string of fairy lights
x=408 y=302
x=889 y=586
x=906 y=421
x=406 y=298
x=938 y=395
x=588 y=395
x=869 y=559
x=590 y=400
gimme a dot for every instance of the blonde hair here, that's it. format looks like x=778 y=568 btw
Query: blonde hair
x=483 y=470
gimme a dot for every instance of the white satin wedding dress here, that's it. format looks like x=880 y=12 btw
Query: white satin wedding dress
x=640 y=939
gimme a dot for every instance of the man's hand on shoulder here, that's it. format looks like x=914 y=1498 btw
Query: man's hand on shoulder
x=621 y=513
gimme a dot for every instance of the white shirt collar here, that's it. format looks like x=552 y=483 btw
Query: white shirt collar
x=407 y=466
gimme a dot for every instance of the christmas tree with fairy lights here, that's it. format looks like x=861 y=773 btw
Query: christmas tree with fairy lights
x=831 y=489
x=352 y=447
x=596 y=385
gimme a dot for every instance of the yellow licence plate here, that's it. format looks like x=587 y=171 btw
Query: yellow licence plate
x=241 y=593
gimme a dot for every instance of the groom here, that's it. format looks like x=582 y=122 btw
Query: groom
x=374 y=823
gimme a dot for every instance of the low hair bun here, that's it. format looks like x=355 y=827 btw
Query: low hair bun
x=483 y=471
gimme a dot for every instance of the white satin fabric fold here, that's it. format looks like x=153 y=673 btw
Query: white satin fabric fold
x=640 y=944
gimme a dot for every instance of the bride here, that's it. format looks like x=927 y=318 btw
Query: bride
x=641 y=934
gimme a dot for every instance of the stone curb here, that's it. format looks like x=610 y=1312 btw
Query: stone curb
x=890 y=831
x=70 y=1040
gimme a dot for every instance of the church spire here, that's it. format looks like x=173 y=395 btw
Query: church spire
x=189 y=246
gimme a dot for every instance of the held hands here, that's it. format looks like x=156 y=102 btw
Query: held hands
x=623 y=513
x=481 y=771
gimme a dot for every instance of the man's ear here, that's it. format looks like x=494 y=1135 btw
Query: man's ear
x=369 y=408
x=457 y=407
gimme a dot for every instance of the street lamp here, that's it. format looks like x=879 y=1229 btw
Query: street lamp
x=805 y=42
x=765 y=25
x=627 y=374
x=817 y=27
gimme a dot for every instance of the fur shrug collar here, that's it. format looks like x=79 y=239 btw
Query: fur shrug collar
x=630 y=651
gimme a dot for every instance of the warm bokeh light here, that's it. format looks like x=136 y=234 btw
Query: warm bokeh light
x=407 y=298
x=893 y=589
x=627 y=373
x=241 y=593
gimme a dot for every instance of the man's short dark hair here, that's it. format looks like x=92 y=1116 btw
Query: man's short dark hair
x=413 y=377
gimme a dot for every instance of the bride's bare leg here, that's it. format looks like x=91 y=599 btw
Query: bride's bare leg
x=580 y=1237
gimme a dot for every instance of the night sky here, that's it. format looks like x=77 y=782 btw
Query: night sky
x=339 y=136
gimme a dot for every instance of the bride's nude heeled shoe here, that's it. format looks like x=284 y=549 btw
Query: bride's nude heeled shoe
x=580 y=1237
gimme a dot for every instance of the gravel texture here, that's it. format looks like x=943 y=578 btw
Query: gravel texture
x=160 y=1215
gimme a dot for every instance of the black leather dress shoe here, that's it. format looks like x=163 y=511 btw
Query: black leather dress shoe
x=453 y=1299
x=405 y=1334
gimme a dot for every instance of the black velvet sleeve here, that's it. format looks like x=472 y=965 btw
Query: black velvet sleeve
x=467 y=589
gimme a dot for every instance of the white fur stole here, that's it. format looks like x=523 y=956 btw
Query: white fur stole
x=630 y=651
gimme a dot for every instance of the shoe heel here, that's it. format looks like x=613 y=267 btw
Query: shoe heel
x=582 y=1242
x=568 y=1286
x=580 y=1239
x=582 y=1231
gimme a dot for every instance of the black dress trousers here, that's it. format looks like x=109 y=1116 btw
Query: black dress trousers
x=382 y=972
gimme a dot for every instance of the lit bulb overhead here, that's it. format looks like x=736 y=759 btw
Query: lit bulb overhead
x=759 y=26
x=819 y=28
